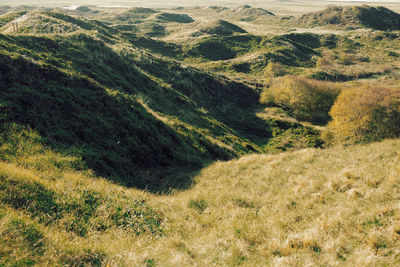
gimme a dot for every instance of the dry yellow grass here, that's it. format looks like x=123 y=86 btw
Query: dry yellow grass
x=318 y=207
x=332 y=207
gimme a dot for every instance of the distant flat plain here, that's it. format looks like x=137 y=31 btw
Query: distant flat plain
x=279 y=7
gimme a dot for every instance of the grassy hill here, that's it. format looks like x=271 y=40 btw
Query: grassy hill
x=247 y=12
x=221 y=28
x=379 y=18
x=336 y=206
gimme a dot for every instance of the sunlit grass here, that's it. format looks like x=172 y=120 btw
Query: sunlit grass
x=335 y=206
x=308 y=207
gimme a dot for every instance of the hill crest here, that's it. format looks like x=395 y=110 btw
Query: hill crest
x=221 y=28
x=379 y=18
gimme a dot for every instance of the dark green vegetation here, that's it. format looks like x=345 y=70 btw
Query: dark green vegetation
x=152 y=29
x=221 y=27
x=173 y=17
x=294 y=50
x=379 y=18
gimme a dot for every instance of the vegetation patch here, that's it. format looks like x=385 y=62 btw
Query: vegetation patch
x=79 y=212
x=212 y=49
x=83 y=258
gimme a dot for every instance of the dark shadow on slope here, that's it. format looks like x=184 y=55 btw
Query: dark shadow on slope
x=174 y=17
x=115 y=135
x=155 y=46
x=226 y=101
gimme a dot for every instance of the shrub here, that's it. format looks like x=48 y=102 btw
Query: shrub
x=305 y=99
x=365 y=114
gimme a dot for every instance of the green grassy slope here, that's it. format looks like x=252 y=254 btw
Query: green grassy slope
x=46 y=206
x=132 y=117
x=109 y=128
